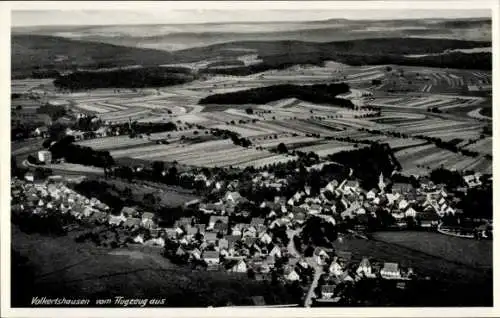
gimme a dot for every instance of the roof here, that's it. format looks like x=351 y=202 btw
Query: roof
x=210 y=236
x=391 y=267
x=43 y=128
x=133 y=222
x=352 y=183
x=365 y=262
x=221 y=227
x=236 y=195
x=128 y=210
x=257 y=221
x=402 y=187
x=148 y=215
x=344 y=255
x=318 y=251
x=210 y=254
x=215 y=218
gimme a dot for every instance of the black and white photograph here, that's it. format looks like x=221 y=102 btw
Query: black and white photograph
x=290 y=156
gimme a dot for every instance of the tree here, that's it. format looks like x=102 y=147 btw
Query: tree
x=150 y=199
x=158 y=167
x=282 y=148
x=249 y=111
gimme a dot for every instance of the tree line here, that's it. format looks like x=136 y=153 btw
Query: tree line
x=319 y=93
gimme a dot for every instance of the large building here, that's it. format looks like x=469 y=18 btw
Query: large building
x=45 y=156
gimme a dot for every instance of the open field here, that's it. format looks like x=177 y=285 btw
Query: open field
x=453 y=249
x=423 y=159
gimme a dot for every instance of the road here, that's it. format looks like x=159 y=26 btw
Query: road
x=318 y=270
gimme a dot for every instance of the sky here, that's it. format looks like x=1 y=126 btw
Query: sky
x=172 y=16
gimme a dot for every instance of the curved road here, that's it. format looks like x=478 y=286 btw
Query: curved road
x=318 y=270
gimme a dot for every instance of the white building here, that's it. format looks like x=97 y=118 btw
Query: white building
x=45 y=156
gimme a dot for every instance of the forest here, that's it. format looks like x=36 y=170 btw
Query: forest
x=319 y=93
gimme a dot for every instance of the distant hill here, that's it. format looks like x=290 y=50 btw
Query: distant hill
x=39 y=52
x=171 y=37
x=32 y=52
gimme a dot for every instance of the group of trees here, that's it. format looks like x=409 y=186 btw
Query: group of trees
x=123 y=78
x=87 y=156
x=368 y=163
x=319 y=93
x=55 y=112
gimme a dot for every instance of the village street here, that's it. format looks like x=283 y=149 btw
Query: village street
x=318 y=270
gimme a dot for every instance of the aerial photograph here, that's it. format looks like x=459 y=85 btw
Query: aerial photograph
x=251 y=158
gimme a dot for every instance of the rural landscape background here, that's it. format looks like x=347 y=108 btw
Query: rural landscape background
x=328 y=162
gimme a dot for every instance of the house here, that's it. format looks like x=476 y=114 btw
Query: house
x=275 y=251
x=232 y=196
x=147 y=220
x=157 y=241
x=320 y=256
x=220 y=227
x=133 y=223
x=195 y=254
x=42 y=131
x=327 y=291
x=231 y=242
x=217 y=218
x=331 y=186
x=314 y=209
x=372 y=194
x=292 y=276
x=365 y=269
x=139 y=239
x=428 y=219
x=335 y=268
x=101 y=132
x=180 y=251
x=170 y=232
x=28 y=176
x=201 y=228
x=390 y=271
x=116 y=219
x=223 y=244
x=343 y=258
x=403 y=204
x=410 y=212
x=401 y=188
x=257 y=222
x=472 y=180
x=265 y=238
x=211 y=257
x=128 y=211
x=191 y=230
x=45 y=156
x=210 y=237
x=238 y=266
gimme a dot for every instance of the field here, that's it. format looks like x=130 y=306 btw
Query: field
x=425 y=158
x=300 y=125
x=59 y=267
x=453 y=249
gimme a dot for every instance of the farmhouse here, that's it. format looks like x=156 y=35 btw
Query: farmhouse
x=390 y=271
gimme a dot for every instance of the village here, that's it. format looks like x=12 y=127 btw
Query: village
x=263 y=247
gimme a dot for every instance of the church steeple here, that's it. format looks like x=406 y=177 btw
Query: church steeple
x=381 y=184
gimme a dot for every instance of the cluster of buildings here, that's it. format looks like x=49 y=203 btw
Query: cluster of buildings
x=341 y=271
x=53 y=195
